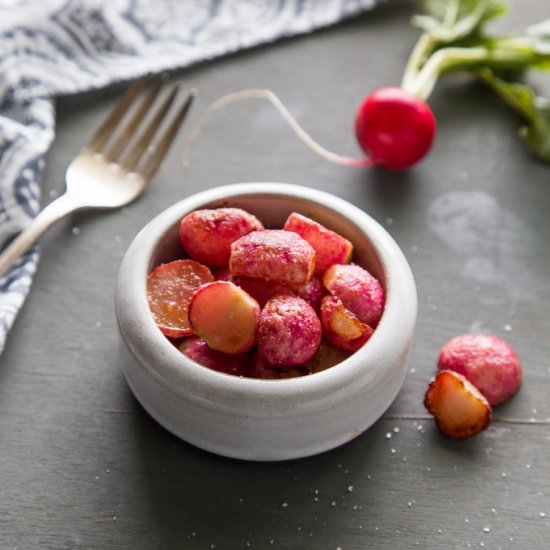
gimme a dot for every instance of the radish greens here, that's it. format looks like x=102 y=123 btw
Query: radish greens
x=455 y=39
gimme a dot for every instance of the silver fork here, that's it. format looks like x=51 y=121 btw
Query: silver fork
x=116 y=165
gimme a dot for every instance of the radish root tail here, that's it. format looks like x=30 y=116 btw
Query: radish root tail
x=286 y=115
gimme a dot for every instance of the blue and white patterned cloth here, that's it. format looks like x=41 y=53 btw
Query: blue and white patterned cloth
x=56 y=47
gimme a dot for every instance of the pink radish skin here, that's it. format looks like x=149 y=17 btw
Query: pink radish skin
x=394 y=127
x=312 y=292
x=225 y=316
x=206 y=235
x=262 y=290
x=487 y=361
x=198 y=350
x=359 y=291
x=330 y=248
x=289 y=332
x=275 y=255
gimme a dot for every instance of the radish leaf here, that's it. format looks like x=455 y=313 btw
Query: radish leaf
x=540 y=35
x=534 y=109
x=452 y=20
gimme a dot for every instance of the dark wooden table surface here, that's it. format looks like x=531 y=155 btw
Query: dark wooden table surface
x=83 y=466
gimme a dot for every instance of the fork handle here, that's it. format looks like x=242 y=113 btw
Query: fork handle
x=50 y=214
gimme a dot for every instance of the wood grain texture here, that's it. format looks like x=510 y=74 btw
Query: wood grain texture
x=81 y=464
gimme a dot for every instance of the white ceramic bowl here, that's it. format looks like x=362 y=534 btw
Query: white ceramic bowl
x=266 y=419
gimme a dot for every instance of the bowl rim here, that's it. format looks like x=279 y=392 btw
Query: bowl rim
x=364 y=367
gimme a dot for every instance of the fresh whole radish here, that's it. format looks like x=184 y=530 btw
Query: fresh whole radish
x=394 y=127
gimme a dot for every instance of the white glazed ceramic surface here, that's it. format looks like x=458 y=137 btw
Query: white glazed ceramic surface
x=266 y=419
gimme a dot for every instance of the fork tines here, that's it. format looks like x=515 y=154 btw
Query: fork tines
x=131 y=135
